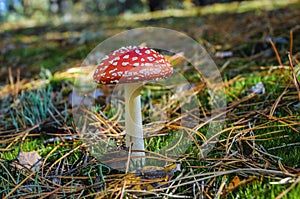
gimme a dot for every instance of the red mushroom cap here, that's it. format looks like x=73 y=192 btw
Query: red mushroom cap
x=132 y=64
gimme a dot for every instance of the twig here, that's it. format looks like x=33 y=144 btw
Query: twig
x=19 y=185
x=295 y=80
x=276 y=52
x=285 y=145
x=277 y=101
x=292 y=39
x=126 y=171
x=62 y=157
x=209 y=175
x=7 y=171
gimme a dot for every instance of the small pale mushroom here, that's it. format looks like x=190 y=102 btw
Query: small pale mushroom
x=132 y=66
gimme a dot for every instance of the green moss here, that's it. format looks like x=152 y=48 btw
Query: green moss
x=264 y=191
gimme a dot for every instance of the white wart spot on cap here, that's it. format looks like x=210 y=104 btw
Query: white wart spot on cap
x=150 y=58
x=111 y=71
x=125 y=63
x=137 y=51
x=114 y=81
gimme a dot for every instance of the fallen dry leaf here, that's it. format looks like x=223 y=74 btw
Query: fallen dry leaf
x=30 y=160
x=236 y=182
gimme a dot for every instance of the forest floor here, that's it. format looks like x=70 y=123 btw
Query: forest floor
x=257 y=52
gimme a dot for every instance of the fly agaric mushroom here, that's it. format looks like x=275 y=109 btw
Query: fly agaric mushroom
x=132 y=66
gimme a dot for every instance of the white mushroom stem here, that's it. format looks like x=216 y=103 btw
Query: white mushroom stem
x=133 y=119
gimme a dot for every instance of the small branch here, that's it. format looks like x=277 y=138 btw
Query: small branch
x=276 y=52
x=295 y=80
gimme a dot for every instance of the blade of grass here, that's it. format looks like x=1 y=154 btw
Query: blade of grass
x=19 y=185
x=288 y=189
